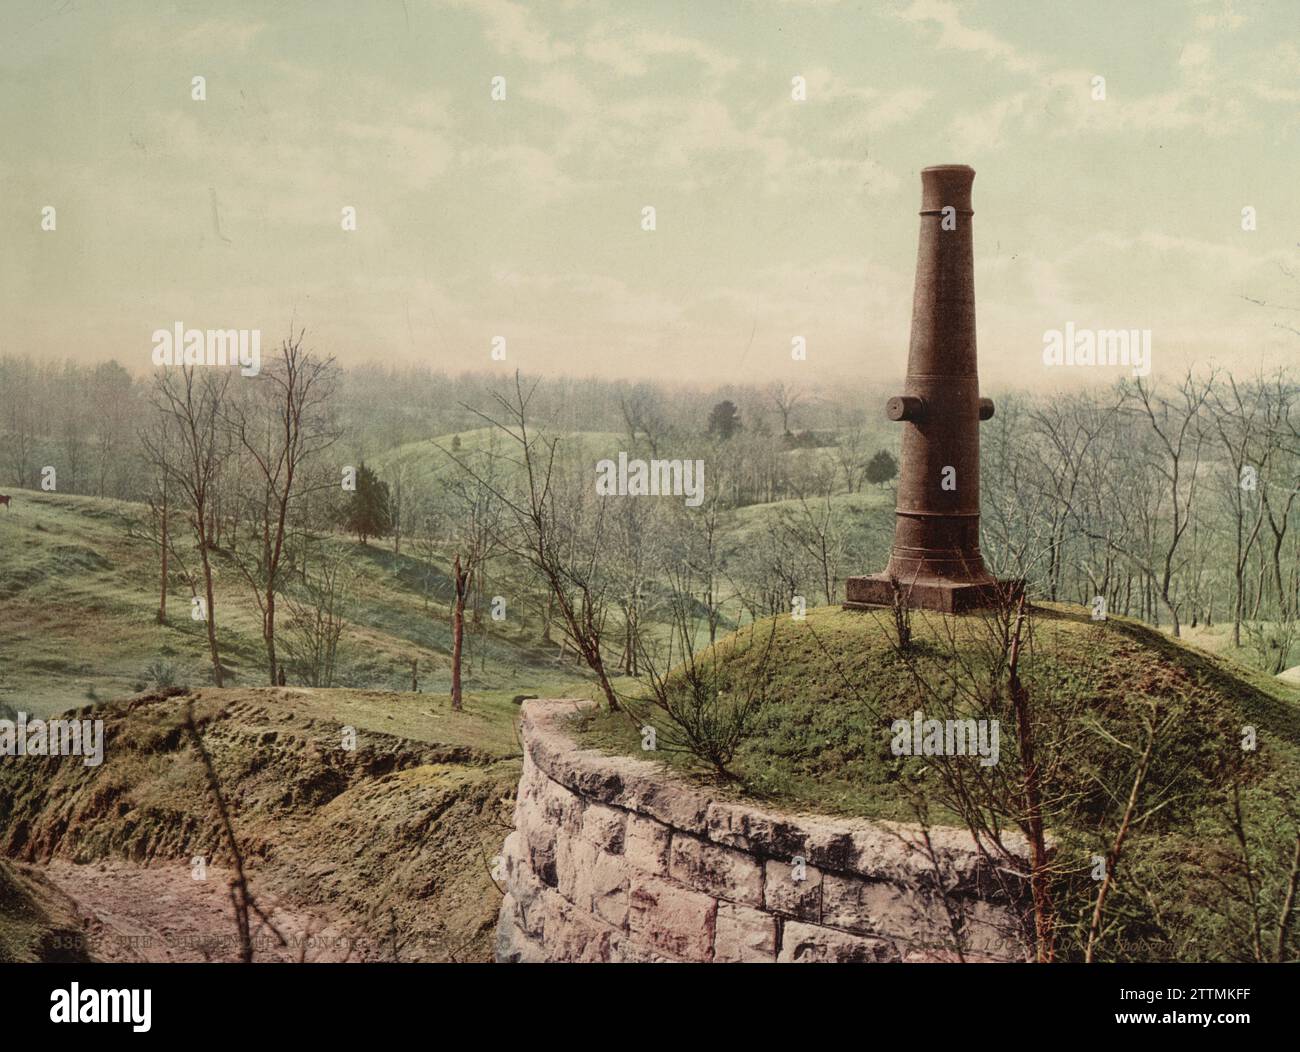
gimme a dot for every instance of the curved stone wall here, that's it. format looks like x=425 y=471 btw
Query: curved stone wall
x=614 y=859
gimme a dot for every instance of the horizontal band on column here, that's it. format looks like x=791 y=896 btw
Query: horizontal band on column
x=937 y=514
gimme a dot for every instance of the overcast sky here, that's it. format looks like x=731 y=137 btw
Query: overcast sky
x=523 y=217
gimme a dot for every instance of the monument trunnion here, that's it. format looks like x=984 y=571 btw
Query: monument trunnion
x=935 y=563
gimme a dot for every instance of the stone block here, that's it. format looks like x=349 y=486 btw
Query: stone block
x=674 y=920
x=875 y=907
x=645 y=844
x=572 y=935
x=801 y=899
x=562 y=808
x=605 y=887
x=623 y=949
x=605 y=827
x=757 y=832
x=811 y=944
x=512 y=946
x=720 y=871
x=540 y=844
x=743 y=934
x=574 y=858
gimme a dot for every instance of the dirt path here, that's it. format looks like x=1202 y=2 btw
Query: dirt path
x=161 y=913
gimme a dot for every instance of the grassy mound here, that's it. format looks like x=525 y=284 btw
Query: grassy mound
x=831 y=686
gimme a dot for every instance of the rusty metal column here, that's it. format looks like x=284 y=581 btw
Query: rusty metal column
x=936 y=556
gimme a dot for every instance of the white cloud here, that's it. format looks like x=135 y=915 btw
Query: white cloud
x=526 y=174
x=627 y=53
x=563 y=91
x=513 y=30
x=415 y=155
x=1276 y=77
x=956 y=35
x=1226 y=19
x=844 y=110
x=1196 y=53
x=226 y=36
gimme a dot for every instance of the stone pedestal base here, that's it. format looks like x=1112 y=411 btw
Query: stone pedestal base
x=928 y=593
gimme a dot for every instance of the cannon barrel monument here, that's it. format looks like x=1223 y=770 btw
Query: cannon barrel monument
x=936 y=562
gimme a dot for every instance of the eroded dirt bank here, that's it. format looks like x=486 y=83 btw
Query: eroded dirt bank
x=161 y=913
x=378 y=852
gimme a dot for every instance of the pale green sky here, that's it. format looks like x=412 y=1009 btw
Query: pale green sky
x=522 y=218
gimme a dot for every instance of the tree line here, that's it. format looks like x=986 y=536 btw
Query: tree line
x=1175 y=503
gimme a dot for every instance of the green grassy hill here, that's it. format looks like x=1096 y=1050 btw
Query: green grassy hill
x=868 y=517
x=833 y=684
x=425 y=458
x=79 y=595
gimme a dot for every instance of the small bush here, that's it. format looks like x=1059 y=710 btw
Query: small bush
x=159 y=674
x=902 y=613
x=708 y=717
x=1271 y=643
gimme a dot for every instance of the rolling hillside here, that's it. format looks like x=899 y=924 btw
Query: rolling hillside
x=79 y=595
x=377 y=853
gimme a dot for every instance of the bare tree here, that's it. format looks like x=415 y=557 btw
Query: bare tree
x=785 y=398
x=851 y=455
x=544 y=527
x=636 y=556
x=473 y=513
x=816 y=528
x=1281 y=463
x=112 y=396
x=1176 y=425
x=1237 y=425
x=400 y=473
x=155 y=527
x=769 y=577
x=643 y=416
x=18 y=387
x=460 y=579
x=281 y=428
x=189 y=448
x=706 y=556
x=1154 y=725
x=1071 y=426
x=318 y=609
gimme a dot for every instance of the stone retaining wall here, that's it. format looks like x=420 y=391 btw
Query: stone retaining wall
x=614 y=859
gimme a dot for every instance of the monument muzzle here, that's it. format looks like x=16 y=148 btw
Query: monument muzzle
x=935 y=563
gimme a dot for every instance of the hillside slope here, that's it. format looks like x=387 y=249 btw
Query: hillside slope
x=79 y=598
x=1211 y=848
x=37 y=922
x=389 y=843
